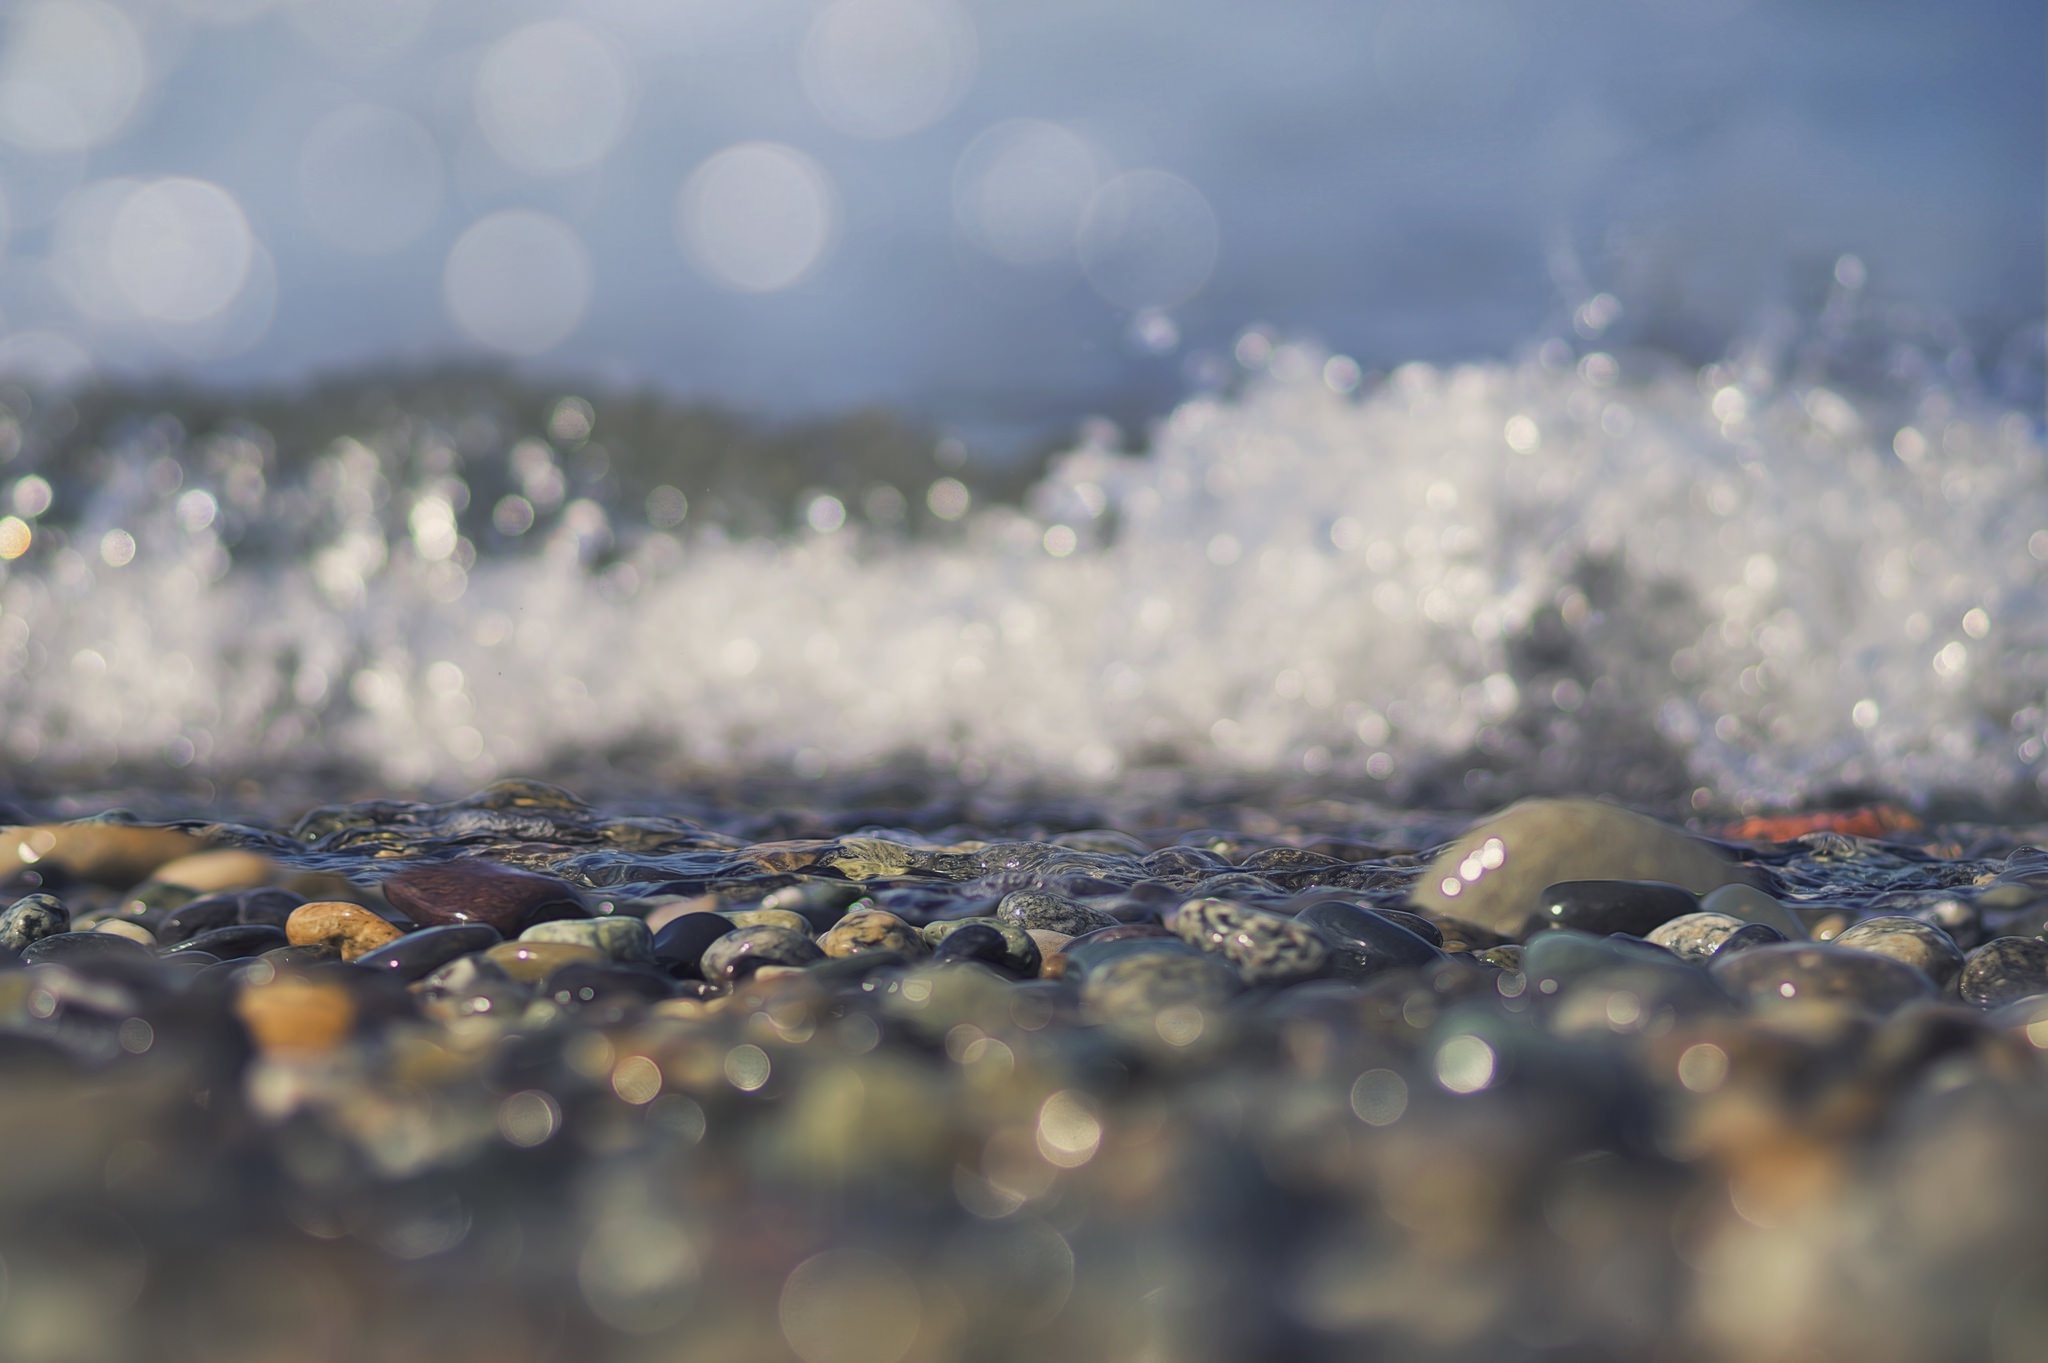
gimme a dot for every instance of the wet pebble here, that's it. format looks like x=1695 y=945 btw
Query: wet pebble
x=438 y=893
x=2004 y=970
x=1051 y=912
x=32 y=917
x=1699 y=937
x=1752 y=905
x=789 y=920
x=679 y=946
x=865 y=930
x=296 y=1015
x=350 y=929
x=415 y=955
x=74 y=948
x=235 y=940
x=1927 y=949
x=746 y=949
x=1266 y=948
x=1018 y=957
x=1636 y=907
x=531 y=962
x=1368 y=942
x=616 y=937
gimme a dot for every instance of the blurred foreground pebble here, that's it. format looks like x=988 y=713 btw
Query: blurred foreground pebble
x=515 y=1079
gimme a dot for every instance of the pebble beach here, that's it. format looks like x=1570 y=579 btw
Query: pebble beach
x=518 y=1078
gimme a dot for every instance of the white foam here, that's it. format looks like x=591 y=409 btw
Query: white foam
x=1576 y=576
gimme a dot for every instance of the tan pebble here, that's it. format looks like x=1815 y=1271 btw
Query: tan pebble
x=866 y=930
x=125 y=927
x=222 y=868
x=661 y=917
x=1050 y=944
x=1494 y=874
x=770 y=918
x=104 y=853
x=291 y=1014
x=532 y=962
x=689 y=1008
x=350 y=929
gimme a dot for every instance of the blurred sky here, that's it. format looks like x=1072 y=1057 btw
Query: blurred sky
x=992 y=212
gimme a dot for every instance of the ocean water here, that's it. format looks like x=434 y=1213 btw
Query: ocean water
x=1808 y=571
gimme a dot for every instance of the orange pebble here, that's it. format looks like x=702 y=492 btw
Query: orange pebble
x=291 y=1014
x=350 y=929
x=1871 y=821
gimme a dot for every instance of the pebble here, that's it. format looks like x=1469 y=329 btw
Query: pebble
x=1494 y=874
x=1752 y=905
x=1636 y=907
x=235 y=940
x=414 y=955
x=1799 y=972
x=614 y=936
x=1266 y=948
x=113 y=854
x=220 y=868
x=680 y=944
x=2004 y=970
x=746 y=949
x=1699 y=937
x=1927 y=949
x=74 y=948
x=531 y=962
x=1018 y=956
x=434 y=894
x=1052 y=912
x=1131 y=989
x=292 y=1015
x=123 y=927
x=32 y=917
x=350 y=929
x=787 y=919
x=866 y=930
x=1369 y=942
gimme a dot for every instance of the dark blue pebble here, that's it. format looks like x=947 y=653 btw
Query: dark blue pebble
x=1635 y=907
x=418 y=954
x=679 y=946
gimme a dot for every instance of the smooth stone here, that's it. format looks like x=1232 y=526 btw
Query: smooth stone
x=1803 y=971
x=31 y=918
x=113 y=854
x=203 y=914
x=1636 y=907
x=415 y=955
x=2004 y=970
x=532 y=962
x=1266 y=948
x=80 y=948
x=219 y=868
x=986 y=944
x=1699 y=937
x=680 y=944
x=865 y=930
x=1927 y=949
x=1085 y=950
x=1495 y=873
x=350 y=929
x=1029 y=909
x=234 y=941
x=1752 y=905
x=787 y=919
x=267 y=904
x=468 y=987
x=746 y=949
x=125 y=927
x=438 y=893
x=1415 y=923
x=1020 y=957
x=821 y=902
x=616 y=937
x=296 y=1015
x=1370 y=941
x=1562 y=958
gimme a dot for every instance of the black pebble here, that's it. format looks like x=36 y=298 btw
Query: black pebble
x=582 y=982
x=679 y=946
x=82 y=948
x=976 y=942
x=206 y=914
x=2003 y=970
x=235 y=941
x=418 y=954
x=1368 y=942
x=1636 y=907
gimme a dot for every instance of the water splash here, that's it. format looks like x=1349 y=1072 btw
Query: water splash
x=1578 y=571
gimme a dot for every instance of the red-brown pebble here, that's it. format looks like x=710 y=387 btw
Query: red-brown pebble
x=479 y=892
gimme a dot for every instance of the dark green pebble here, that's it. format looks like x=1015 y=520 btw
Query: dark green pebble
x=1051 y=913
x=741 y=952
x=1366 y=942
x=679 y=946
x=419 y=954
x=2004 y=970
x=1636 y=907
x=33 y=917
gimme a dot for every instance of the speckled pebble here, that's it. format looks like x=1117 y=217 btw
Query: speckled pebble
x=2004 y=970
x=1052 y=912
x=1699 y=937
x=32 y=917
x=787 y=919
x=615 y=936
x=1927 y=949
x=747 y=948
x=1266 y=948
x=1798 y=971
x=865 y=930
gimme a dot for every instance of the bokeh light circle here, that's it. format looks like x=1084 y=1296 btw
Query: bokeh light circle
x=552 y=98
x=518 y=281
x=180 y=249
x=886 y=68
x=71 y=74
x=1020 y=188
x=756 y=217
x=1148 y=240
x=371 y=179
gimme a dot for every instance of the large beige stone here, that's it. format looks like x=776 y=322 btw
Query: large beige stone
x=1495 y=873
x=105 y=853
